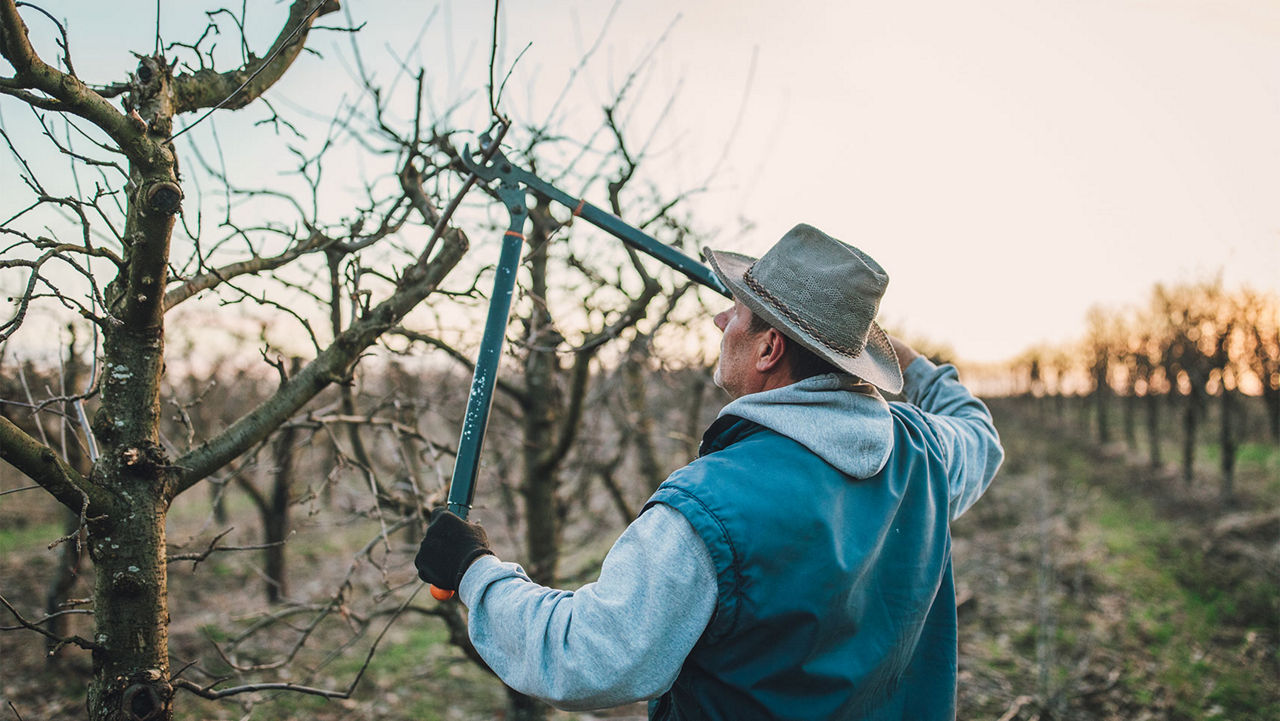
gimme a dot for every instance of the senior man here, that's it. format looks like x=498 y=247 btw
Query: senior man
x=800 y=567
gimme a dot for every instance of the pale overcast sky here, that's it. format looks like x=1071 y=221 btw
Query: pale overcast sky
x=1010 y=162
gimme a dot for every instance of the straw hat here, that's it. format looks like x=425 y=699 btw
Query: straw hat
x=821 y=293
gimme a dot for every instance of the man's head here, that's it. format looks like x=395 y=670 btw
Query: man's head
x=810 y=301
x=755 y=356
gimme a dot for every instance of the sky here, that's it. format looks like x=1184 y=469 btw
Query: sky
x=1009 y=162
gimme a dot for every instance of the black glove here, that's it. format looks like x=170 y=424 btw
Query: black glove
x=448 y=549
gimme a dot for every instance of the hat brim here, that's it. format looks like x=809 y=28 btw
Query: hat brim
x=877 y=364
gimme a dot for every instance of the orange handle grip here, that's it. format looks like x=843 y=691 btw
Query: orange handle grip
x=440 y=594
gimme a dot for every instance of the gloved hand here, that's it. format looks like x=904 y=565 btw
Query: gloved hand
x=448 y=549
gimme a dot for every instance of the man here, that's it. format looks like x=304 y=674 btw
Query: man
x=800 y=568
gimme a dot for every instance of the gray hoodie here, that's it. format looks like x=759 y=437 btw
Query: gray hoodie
x=624 y=637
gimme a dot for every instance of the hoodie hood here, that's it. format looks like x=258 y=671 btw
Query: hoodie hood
x=843 y=421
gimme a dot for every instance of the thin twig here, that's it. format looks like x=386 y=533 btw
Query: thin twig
x=493 y=53
x=197 y=558
x=1018 y=703
x=35 y=626
x=336 y=602
x=209 y=693
x=265 y=64
x=16 y=490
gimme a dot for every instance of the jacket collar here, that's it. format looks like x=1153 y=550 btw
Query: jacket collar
x=727 y=430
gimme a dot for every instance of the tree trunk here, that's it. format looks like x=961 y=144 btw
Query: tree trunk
x=1190 y=426
x=1229 y=447
x=1131 y=419
x=639 y=416
x=218 y=501
x=1271 y=399
x=131 y=611
x=275 y=519
x=275 y=529
x=541 y=480
x=127 y=544
x=1102 y=404
x=1153 y=427
x=693 y=416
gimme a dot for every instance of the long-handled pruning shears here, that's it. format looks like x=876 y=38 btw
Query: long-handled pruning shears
x=514 y=184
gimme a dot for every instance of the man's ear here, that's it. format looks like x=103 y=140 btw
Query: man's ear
x=771 y=349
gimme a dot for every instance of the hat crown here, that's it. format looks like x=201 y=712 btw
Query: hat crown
x=827 y=286
x=822 y=293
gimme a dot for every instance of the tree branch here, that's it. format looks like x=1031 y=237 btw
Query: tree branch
x=35 y=626
x=234 y=89
x=252 y=266
x=515 y=392
x=65 y=93
x=197 y=558
x=209 y=692
x=41 y=464
x=331 y=365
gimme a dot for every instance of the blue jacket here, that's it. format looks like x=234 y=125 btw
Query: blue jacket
x=835 y=593
x=782 y=471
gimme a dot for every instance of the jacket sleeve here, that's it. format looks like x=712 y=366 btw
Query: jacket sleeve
x=620 y=639
x=970 y=444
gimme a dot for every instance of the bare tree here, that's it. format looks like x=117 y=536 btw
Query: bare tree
x=555 y=363
x=1100 y=350
x=1260 y=321
x=1223 y=334
x=112 y=261
x=1185 y=364
x=274 y=503
x=1145 y=367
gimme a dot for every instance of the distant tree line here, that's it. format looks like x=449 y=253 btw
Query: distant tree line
x=1192 y=347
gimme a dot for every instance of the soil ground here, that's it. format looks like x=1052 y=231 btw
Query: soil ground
x=1091 y=586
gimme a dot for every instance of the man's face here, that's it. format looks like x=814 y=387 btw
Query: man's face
x=736 y=367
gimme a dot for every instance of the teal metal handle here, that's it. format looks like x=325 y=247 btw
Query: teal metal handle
x=462 y=486
x=500 y=167
x=514 y=183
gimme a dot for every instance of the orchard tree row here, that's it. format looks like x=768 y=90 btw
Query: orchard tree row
x=1190 y=347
